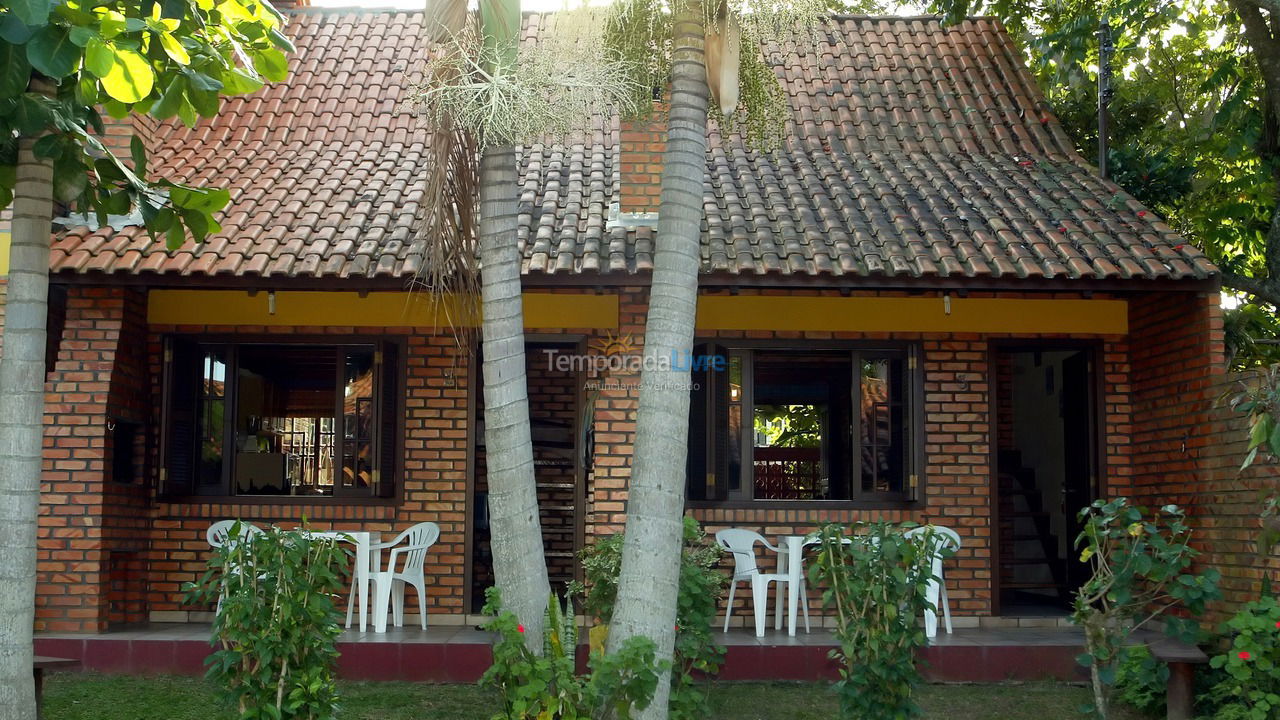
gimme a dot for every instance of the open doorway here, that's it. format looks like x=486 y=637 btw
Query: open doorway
x=1044 y=473
x=561 y=441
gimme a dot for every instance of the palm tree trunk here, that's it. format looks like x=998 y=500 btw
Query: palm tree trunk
x=649 y=581
x=516 y=530
x=21 y=426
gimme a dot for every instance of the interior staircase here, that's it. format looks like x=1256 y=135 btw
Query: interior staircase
x=1027 y=539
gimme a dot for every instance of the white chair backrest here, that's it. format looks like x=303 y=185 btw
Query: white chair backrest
x=419 y=537
x=945 y=537
x=742 y=543
x=219 y=533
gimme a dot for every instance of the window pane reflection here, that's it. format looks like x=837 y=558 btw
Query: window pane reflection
x=357 y=411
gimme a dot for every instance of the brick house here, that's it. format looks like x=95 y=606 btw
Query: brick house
x=930 y=308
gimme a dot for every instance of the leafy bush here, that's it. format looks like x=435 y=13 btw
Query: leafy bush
x=1142 y=681
x=877 y=582
x=1141 y=568
x=1250 y=686
x=701 y=584
x=546 y=687
x=277 y=628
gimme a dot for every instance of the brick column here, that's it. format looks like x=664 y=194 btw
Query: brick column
x=92 y=533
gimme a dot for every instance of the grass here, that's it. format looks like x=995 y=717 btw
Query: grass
x=70 y=696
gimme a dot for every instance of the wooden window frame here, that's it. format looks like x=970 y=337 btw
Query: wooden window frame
x=395 y=372
x=913 y=404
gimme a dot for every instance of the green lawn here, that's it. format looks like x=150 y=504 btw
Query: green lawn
x=71 y=696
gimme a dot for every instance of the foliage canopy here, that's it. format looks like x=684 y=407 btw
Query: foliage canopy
x=63 y=60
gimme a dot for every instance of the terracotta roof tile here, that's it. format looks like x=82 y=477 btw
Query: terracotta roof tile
x=914 y=151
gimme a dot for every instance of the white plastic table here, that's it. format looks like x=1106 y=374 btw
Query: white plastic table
x=791 y=564
x=364 y=540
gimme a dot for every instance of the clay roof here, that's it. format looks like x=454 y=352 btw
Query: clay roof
x=916 y=151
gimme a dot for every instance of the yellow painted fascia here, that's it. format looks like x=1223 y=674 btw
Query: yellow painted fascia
x=913 y=314
x=5 y=239
x=374 y=309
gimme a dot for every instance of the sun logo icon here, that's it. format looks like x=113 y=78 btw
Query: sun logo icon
x=612 y=344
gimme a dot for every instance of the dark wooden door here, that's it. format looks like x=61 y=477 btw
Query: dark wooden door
x=1079 y=426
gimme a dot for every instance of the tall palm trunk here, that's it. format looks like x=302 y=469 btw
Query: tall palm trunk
x=516 y=530
x=21 y=418
x=650 y=576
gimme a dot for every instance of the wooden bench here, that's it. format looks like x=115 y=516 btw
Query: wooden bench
x=1182 y=659
x=41 y=664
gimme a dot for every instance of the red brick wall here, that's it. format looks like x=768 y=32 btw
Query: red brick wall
x=957 y=469
x=1176 y=355
x=95 y=560
x=1227 y=506
x=642 y=144
x=1184 y=445
x=1187 y=443
x=433 y=485
x=91 y=532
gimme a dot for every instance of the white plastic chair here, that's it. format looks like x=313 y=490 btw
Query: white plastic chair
x=946 y=541
x=219 y=534
x=742 y=543
x=404 y=567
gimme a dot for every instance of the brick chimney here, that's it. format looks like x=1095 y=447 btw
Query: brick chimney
x=641 y=144
x=289 y=4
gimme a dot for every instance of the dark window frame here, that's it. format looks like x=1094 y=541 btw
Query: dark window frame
x=914 y=494
x=391 y=379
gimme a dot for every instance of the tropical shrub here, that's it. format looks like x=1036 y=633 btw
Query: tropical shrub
x=277 y=627
x=701 y=584
x=1250 y=683
x=1141 y=569
x=1141 y=682
x=877 y=582
x=546 y=686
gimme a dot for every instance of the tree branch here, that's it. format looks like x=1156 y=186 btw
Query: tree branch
x=1263 y=289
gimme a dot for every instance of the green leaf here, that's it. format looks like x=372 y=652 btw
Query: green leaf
x=174 y=236
x=272 y=64
x=138 y=151
x=52 y=52
x=99 y=57
x=87 y=89
x=112 y=24
x=172 y=99
x=204 y=101
x=186 y=113
x=31 y=12
x=130 y=79
x=280 y=40
x=202 y=199
x=70 y=178
x=174 y=49
x=200 y=81
x=13 y=29
x=235 y=82
x=81 y=35
x=15 y=71
x=31 y=116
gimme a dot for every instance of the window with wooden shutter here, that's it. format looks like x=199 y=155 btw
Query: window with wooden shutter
x=178 y=444
x=390 y=423
x=818 y=422
x=274 y=419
